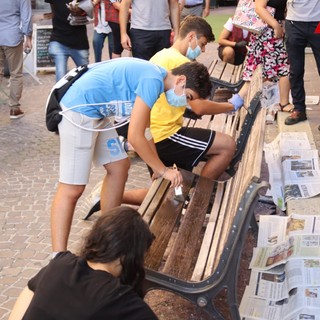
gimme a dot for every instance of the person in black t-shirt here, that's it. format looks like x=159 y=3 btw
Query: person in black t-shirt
x=67 y=40
x=103 y=282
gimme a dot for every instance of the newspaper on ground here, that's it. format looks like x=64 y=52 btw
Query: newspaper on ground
x=283 y=238
x=276 y=285
x=302 y=303
x=293 y=168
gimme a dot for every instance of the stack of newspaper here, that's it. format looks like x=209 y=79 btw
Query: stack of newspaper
x=285 y=267
x=285 y=275
x=293 y=168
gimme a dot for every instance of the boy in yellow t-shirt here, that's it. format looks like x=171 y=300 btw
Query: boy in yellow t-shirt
x=186 y=147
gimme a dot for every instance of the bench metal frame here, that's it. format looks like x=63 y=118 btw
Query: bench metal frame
x=225 y=276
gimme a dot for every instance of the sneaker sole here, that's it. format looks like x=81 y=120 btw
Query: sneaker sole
x=17 y=117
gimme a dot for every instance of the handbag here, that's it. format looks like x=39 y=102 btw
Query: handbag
x=53 y=108
x=245 y=17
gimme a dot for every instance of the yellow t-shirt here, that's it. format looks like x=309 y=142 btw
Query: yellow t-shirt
x=166 y=120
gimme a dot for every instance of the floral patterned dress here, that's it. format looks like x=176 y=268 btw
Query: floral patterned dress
x=265 y=49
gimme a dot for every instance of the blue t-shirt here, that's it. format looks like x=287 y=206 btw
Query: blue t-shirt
x=110 y=88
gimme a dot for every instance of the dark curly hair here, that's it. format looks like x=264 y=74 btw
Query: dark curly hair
x=120 y=233
x=198 y=78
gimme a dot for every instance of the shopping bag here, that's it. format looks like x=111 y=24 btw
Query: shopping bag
x=245 y=17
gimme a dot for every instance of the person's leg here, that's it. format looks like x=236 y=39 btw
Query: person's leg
x=76 y=153
x=228 y=55
x=2 y=63
x=60 y=55
x=97 y=43
x=80 y=57
x=142 y=43
x=62 y=211
x=284 y=90
x=161 y=40
x=117 y=48
x=188 y=146
x=14 y=56
x=220 y=155
x=134 y=196
x=314 y=41
x=109 y=153
x=110 y=44
x=114 y=183
x=296 y=43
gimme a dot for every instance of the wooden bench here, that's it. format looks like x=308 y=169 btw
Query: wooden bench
x=225 y=75
x=225 y=79
x=199 y=241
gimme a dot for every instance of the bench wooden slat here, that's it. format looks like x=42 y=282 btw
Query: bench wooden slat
x=156 y=201
x=183 y=252
x=150 y=196
x=204 y=122
x=213 y=255
x=208 y=236
x=218 y=70
x=164 y=221
x=228 y=74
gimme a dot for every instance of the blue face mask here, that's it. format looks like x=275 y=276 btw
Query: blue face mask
x=175 y=100
x=192 y=54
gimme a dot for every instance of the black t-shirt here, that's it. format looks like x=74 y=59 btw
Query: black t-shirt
x=71 y=36
x=280 y=6
x=67 y=288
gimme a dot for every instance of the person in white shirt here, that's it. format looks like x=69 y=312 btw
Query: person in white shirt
x=301 y=22
x=101 y=31
x=233 y=43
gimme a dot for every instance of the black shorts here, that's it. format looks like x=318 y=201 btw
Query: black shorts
x=186 y=148
x=238 y=58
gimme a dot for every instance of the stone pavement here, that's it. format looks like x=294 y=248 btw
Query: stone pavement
x=28 y=177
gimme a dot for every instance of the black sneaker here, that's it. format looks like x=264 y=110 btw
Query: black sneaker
x=295 y=117
x=16 y=113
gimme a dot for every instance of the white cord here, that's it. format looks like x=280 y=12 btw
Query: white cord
x=118 y=125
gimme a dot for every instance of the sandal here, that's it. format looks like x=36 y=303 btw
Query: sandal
x=285 y=105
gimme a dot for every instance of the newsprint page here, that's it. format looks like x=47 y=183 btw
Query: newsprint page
x=293 y=168
x=285 y=270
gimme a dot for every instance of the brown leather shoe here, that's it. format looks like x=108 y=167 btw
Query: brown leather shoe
x=295 y=117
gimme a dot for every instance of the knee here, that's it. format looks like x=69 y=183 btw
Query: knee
x=118 y=168
x=72 y=192
x=231 y=144
x=228 y=55
x=226 y=145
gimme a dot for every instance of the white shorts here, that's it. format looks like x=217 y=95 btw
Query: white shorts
x=80 y=148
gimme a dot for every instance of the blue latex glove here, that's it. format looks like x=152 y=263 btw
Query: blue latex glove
x=237 y=101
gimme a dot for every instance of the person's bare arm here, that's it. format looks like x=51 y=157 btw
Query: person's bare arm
x=21 y=305
x=205 y=106
x=223 y=39
x=123 y=20
x=264 y=14
x=175 y=16
x=116 y=5
x=206 y=10
x=139 y=121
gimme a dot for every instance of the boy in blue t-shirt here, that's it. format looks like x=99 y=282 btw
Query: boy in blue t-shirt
x=122 y=87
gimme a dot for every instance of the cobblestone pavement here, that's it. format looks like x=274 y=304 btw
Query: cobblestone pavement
x=28 y=178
